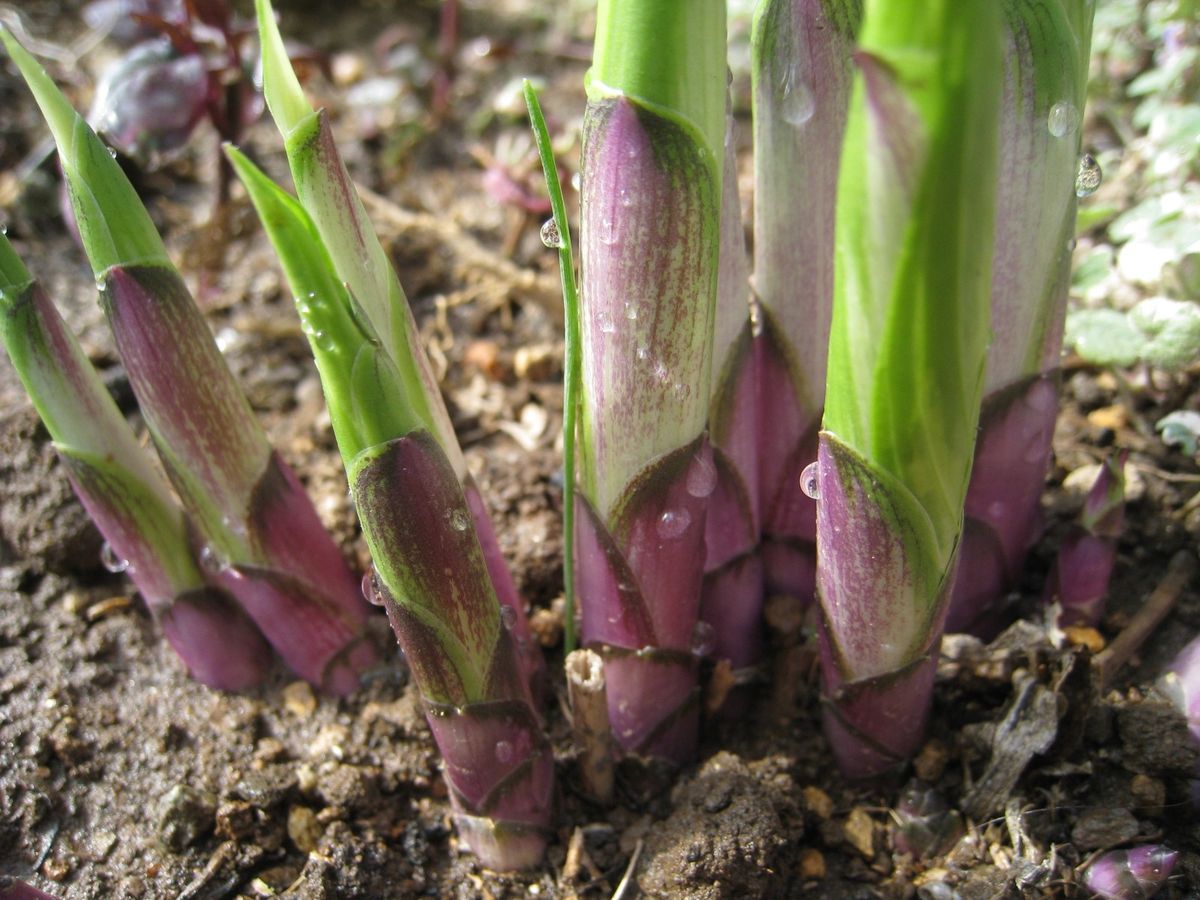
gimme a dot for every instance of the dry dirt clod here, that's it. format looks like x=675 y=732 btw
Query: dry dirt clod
x=184 y=816
x=1103 y=827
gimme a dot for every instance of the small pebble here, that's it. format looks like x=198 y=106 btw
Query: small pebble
x=330 y=741
x=484 y=356
x=1148 y=793
x=812 y=864
x=1085 y=636
x=931 y=761
x=1103 y=827
x=303 y=828
x=1113 y=417
x=535 y=362
x=56 y=868
x=346 y=68
x=547 y=627
x=299 y=700
x=859 y=830
x=817 y=802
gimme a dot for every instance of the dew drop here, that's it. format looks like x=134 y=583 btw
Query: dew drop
x=322 y=340
x=673 y=523
x=798 y=104
x=508 y=617
x=504 y=752
x=623 y=707
x=605 y=323
x=701 y=477
x=210 y=559
x=371 y=590
x=111 y=152
x=608 y=231
x=631 y=311
x=550 y=236
x=111 y=560
x=660 y=370
x=458 y=518
x=703 y=638
x=577 y=181
x=625 y=197
x=1088 y=176
x=810 y=481
x=643 y=352
x=1063 y=119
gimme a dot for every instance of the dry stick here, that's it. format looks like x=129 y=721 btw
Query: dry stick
x=589 y=710
x=624 y=889
x=1141 y=626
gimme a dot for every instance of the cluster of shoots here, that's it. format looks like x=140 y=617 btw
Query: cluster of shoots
x=856 y=434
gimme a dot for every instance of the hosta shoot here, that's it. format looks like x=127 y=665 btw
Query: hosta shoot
x=916 y=211
x=1045 y=60
x=148 y=536
x=437 y=567
x=653 y=148
x=802 y=75
x=262 y=541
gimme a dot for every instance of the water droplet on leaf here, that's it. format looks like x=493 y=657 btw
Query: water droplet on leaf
x=111 y=560
x=608 y=231
x=1063 y=119
x=810 y=481
x=210 y=559
x=504 y=752
x=673 y=523
x=605 y=323
x=1088 y=176
x=797 y=101
x=371 y=590
x=508 y=617
x=459 y=519
x=704 y=637
x=550 y=236
x=702 y=476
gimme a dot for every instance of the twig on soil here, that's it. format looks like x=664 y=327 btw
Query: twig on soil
x=623 y=890
x=470 y=256
x=1109 y=661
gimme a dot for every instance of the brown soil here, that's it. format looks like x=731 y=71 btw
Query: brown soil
x=120 y=777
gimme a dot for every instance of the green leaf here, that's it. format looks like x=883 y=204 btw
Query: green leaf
x=113 y=223
x=366 y=398
x=915 y=220
x=1181 y=429
x=1172 y=328
x=571 y=363
x=1104 y=336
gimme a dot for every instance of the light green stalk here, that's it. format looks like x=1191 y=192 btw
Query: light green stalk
x=916 y=215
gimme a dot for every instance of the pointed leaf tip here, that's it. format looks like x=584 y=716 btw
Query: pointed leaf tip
x=113 y=224
x=285 y=98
